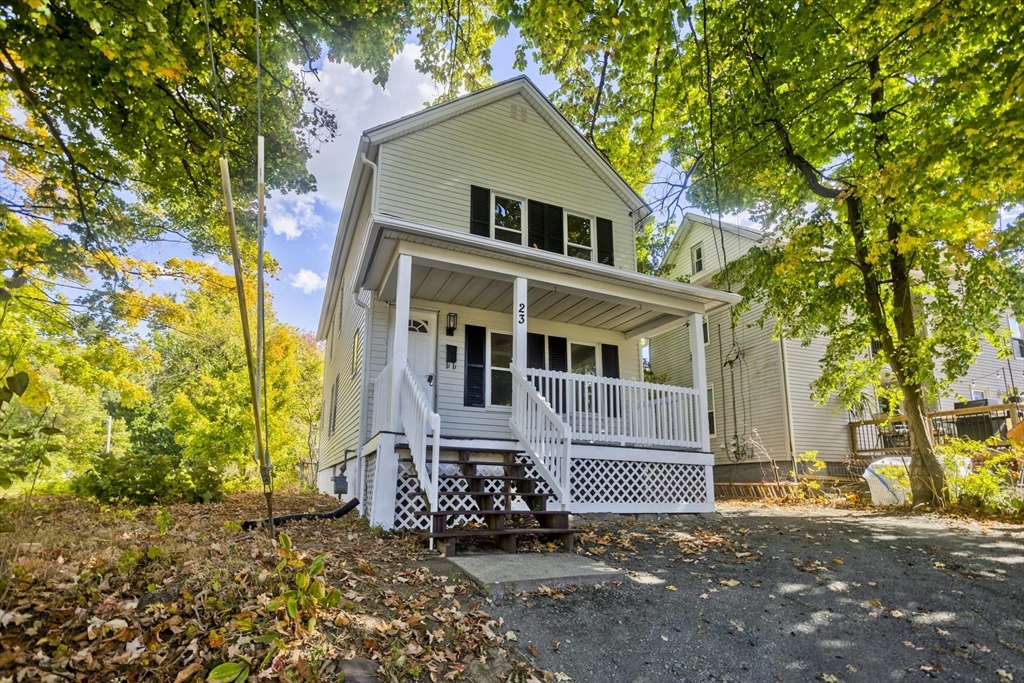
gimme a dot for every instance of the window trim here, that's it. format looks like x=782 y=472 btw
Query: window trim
x=565 y=234
x=489 y=367
x=597 y=356
x=693 y=258
x=983 y=392
x=711 y=410
x=523 y=218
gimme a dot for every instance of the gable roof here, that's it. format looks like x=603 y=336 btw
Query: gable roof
x=692 y=220
x=372 y=138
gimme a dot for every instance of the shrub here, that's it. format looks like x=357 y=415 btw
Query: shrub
x=981 y=477
x=147 y=479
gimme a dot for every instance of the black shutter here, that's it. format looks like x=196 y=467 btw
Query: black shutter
x=610 y=361
x=480 y=211
x=558 y=360
x=535 y=350
x=558 y=354
x=554 y=229
x=535 y=222
x=610 y=368
x=605 y=248
x=476 y=353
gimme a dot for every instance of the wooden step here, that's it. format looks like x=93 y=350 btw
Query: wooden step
x=496 y=493
x=497 y=477
x=480 y=533
x=447 y=513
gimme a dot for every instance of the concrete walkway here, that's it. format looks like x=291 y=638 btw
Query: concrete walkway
x=499 y=573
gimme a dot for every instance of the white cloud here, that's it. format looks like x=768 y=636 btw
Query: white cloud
x=308 y=282
x=291 y=215
x=358 y=104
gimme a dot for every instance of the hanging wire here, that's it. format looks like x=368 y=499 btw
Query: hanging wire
x=261 y=228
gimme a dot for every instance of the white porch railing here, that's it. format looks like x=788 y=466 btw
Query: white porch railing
x=423 y=428
x=546 y=438
x=382 y=401
x=622 y=411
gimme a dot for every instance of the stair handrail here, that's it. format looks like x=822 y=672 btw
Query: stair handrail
x=546 y=438
x=417 y=418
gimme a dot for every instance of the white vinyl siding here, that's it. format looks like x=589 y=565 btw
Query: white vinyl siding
x=426 y=176
x=989 y=373
x=817 y=427
x=709 y=240
x=343 y=338
x=760 y=416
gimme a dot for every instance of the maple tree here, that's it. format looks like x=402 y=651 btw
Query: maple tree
x=878 y=143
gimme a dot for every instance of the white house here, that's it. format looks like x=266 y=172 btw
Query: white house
x=759 y=387
x=483 y=320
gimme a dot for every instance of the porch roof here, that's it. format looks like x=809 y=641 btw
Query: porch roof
x=457 y=268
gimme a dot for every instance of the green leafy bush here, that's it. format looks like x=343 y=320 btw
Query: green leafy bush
x=982 y=477
x=144 y=479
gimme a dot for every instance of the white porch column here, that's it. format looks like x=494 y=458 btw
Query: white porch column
x=700 y=378
x=519 y=324
x=400 y=350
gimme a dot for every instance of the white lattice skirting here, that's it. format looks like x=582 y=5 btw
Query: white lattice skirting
x=369 y=481
x=598 y=485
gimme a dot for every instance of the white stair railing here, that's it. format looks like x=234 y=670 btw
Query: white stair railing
x=623 y=411
x=423 y=428
x=542 y=433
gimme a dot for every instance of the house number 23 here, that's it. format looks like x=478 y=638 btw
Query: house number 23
x=522 y=314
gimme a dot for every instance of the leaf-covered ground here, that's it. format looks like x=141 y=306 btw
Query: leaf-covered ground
x=138 y=594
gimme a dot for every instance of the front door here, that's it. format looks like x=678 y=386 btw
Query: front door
x=422 y=350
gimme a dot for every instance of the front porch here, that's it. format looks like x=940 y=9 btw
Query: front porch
x=539 y=372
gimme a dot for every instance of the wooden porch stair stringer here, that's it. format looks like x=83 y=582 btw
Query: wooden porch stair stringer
x=504 y=525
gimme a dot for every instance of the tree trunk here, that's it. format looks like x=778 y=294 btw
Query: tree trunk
x=927 y=483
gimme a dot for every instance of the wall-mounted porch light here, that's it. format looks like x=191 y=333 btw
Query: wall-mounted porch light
x=453 y=322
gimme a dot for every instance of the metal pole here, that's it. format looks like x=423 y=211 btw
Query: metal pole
x=225 y=178
x=110 y=423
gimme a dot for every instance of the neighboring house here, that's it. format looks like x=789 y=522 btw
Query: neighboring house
x=763 y=412
x=500 y=245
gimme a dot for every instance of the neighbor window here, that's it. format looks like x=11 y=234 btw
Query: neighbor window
x=578 y=231
x=501 y=375
x=711 y=410
x=697 y=258
x=704 y=327
x=508 y=219
x=978 y=395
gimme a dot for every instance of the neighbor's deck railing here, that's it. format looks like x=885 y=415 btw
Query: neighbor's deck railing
x=423 y=428
x=887 y=436
x=546 y=438
x=621 y=411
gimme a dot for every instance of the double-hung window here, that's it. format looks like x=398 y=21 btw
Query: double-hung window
x=697 y=258
x=711 y=410
x=500 y=364
x=579 y=239
x=507 y=219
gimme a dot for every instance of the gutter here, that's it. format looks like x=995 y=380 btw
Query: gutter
x=787 y=405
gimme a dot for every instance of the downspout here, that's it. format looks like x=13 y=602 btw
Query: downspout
x=787 y=405
x=365 y=380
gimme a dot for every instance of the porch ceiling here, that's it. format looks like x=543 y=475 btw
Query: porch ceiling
x=449 y=286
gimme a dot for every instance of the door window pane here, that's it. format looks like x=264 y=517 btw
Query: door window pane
x=584 y=359
x=501 y=377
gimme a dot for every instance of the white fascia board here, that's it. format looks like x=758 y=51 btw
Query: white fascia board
x=704 y=298
x=343 y=239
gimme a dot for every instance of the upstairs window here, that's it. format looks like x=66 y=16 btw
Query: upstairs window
x=697 y=258
x=507 y=219
x=579 y=240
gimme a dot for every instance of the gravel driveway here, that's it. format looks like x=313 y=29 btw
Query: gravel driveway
x=787 y=594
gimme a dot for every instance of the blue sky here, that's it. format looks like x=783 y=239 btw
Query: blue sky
x=302 y=228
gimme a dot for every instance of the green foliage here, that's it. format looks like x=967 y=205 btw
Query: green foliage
x=982 y=477
x=229 y=672
x=144 y=479
x=302 y=603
